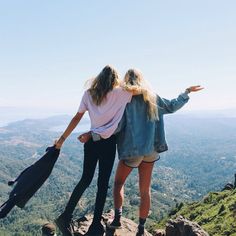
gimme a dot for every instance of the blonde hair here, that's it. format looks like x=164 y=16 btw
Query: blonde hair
x=104 y=82
x=133 y=77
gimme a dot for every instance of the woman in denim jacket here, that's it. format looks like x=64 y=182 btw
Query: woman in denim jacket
x=140 y=141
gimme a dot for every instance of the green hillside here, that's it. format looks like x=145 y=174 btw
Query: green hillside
x=182 y=175
x=215 y=213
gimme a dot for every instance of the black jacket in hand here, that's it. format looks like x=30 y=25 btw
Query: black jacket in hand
x=30 y=180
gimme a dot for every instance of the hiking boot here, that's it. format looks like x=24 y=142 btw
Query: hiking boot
x=115 y=224
x=95 y=230
x=65 y=225
x=140 y=231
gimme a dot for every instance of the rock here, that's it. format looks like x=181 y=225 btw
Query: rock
x=235 y=180
x=183 y=227
x=160 y=232
x=228 y=186
x=129 y=228
x=222 y=209
x=48 y=229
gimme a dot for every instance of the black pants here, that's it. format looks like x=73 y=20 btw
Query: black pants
x=103 y=152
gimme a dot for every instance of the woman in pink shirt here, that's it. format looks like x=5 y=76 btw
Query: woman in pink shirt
x=105 y=102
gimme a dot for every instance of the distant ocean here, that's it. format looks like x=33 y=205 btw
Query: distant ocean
x=8 y=115
x=5 y=118
x=11 y=114
x=82 y=127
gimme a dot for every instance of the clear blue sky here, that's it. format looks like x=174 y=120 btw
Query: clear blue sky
x=48 y=49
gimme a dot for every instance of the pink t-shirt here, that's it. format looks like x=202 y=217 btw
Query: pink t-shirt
x=105 y=117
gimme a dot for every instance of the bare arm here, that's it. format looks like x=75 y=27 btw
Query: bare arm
x=73 y=123
x=166 y=106
x=134 y=89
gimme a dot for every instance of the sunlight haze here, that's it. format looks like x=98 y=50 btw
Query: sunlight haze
x=50 y=48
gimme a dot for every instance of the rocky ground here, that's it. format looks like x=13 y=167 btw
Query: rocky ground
x=174 y=227
x=129 y=228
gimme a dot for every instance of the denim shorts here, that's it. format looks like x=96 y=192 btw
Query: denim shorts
x=136 y=161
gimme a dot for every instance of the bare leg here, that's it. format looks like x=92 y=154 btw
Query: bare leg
x=122 y=172
x=145 y=174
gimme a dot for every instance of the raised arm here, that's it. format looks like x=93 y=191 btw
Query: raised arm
x=73 y=123
x=166 y=106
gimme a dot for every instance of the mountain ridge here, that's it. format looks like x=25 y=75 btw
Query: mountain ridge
x=182 y=175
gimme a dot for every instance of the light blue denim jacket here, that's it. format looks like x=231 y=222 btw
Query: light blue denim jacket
x=139 y=136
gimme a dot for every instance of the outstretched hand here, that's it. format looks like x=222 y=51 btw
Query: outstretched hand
x=195 y=88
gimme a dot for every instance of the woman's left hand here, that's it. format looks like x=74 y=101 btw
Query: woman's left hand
x=195 y=88
x=83 y=138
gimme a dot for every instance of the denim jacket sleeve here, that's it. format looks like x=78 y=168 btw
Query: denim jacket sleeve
x=166 y=106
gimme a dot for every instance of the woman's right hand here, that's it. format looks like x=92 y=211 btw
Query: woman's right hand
x=57 y=144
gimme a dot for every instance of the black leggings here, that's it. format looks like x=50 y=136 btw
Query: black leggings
x=103 y=152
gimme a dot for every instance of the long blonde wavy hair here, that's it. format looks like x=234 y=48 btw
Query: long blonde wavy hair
x=133 y=77
x=104 y=82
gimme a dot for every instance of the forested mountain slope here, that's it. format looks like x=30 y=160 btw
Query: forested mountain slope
x=201 y=158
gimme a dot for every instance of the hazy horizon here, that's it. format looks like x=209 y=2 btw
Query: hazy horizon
x=13 y=114
x=50 y=48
